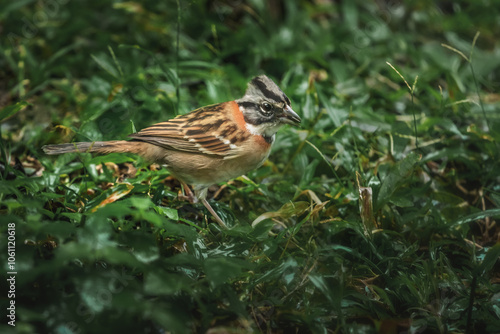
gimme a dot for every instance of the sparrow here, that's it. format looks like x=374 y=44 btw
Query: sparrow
x=208 y=145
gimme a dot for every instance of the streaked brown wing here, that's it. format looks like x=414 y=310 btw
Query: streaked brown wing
x=196 y=132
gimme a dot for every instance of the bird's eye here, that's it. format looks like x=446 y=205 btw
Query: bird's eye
x=266 y=107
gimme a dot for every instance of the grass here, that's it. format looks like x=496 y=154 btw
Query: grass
x=378 y=215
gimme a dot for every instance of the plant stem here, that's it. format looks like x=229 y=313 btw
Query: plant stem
x=414 y=120
x=471 y=304
x=479 y=96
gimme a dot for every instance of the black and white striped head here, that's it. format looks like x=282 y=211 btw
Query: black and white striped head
x=266 y=108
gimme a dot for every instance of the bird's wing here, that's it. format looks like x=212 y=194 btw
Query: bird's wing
x=207 y=130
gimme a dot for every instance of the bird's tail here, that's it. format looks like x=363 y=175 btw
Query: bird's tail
x=101 y=147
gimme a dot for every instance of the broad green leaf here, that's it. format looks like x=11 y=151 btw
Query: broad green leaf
x=220 y=270
x=395 y=177
x=168 y=212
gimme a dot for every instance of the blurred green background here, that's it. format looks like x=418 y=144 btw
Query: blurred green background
x=378 y=215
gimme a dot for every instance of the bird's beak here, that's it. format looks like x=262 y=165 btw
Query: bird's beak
x=289 y=116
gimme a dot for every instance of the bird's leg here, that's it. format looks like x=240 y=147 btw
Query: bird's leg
x=201 y=193
x=215 y=215
x=188 y=194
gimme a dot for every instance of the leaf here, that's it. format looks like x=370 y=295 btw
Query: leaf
x=12 y=109
x=324 y=159
x=91 y=291
x=384 y=297
x=145 y=249
x=308 y=173
x=169 y=212
x=319 y=282
x=336 y=114
x=171 y=75
x=121 y=190
x=492 y=256
x=476 y=216
x=397 y=174
x=57 y=229
x=168 y=316
x=117 y=158
x=220 y=270
x=97 y=234
x=159 y=282
x=105 y=65
x=277 y=271
x=286 y=211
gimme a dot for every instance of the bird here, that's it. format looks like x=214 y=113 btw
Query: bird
x=208 y=145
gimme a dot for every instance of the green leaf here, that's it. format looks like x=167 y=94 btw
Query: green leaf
x=319 y=282
x=475 y=216
x=395 y=177
x=12 y=109
x=308 y=174
x=221 y=270
x=169 y=212
x=159 y=282
x=337 y=115
x=117 y=158
x=170 y=74
x=105 y=65
x=91 y=291
x=492 y=256
x=145 y=249
x=277 y=271
x=169 y=316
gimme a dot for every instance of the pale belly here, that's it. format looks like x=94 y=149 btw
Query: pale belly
x=203 y=170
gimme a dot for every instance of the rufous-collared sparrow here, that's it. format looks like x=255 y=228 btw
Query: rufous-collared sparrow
x=211 y=144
